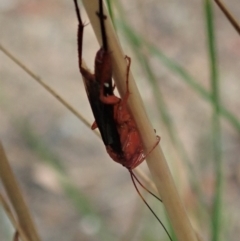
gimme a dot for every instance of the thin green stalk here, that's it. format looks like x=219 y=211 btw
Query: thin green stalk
x=216 y=127
x=182 y=73
x=138 y=44
x=173 y=134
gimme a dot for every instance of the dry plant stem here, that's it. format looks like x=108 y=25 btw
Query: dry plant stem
x=12 y=219
x=156 y=160
x=45 y=86
x=228 y=15
x=16 y=198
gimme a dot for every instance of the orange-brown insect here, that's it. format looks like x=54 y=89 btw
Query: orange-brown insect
x=116 y=125
x=99 y=84
x=132 y=149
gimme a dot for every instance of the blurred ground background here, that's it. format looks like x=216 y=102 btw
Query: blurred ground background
x=36 y=130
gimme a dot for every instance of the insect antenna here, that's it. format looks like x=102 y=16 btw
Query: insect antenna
x=102 y=17
x=144 y=186
x=80 y=33
x=140 y=195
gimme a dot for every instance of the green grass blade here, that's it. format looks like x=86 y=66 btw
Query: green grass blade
x=137 y=45
x=171 y=129
x=178 y=70
x=216 y=126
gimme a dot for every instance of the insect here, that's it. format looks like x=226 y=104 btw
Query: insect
x=116 y=125
x=131 y=143
x=99 y=84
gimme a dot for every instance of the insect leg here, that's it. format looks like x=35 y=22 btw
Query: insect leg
x=102 y=17
x=80 y=34
x=144 y=186
x=86 y=74
x=126 y=96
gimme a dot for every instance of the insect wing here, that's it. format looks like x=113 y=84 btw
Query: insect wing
x=103 y=114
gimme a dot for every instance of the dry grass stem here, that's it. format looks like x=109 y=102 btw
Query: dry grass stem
x=45 y=86
x=15 y=196
x=12 y=219
x=156 y=160
x=228 y=15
